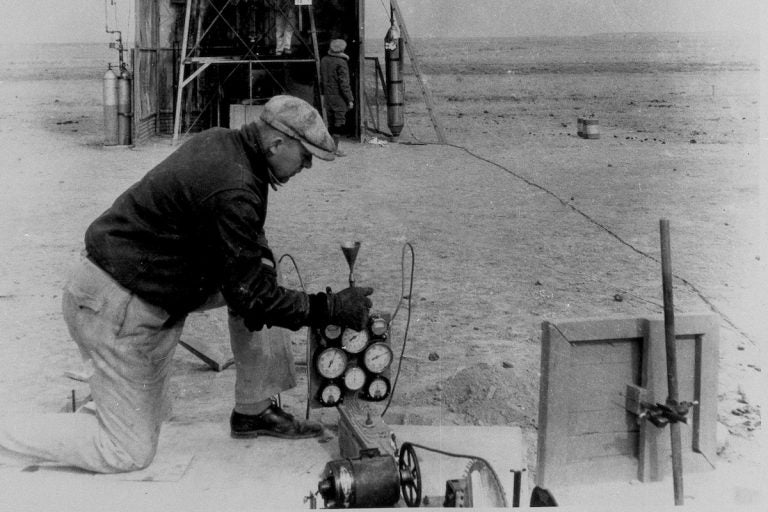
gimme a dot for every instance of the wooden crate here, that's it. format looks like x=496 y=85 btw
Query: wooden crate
x=587 y=432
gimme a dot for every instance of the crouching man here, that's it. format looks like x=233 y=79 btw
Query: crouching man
x=188 y=235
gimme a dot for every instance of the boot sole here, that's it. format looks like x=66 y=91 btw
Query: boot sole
x=256 y=433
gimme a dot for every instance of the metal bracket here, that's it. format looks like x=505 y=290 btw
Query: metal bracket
x=640 y=403
x=663 y=414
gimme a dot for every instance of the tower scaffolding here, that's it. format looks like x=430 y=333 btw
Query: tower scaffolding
x=250 y=52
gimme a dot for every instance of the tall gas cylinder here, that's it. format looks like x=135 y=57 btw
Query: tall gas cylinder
x=393 y=63
x=124 y=111
x=110 y=107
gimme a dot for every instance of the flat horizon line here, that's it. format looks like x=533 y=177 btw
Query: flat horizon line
x=478 y=37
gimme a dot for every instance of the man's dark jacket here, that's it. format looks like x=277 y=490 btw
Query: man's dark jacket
x=194 y=226
x=334 y=74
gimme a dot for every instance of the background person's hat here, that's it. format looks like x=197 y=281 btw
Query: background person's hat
x=338 y=45
x=298 y=119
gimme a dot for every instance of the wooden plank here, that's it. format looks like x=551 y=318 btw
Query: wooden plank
x=620 y=468
x=360 y=82
x=607 y=351
x=596 y=329
x=705 y=420
x=554 y=398
x=595 y=446
x=697 y=339
x=316 y=50
x=597 y=387
x=602 y=422
x=636 y=397
x=180 y=86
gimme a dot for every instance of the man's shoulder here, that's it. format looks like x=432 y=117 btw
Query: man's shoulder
x=217 y=132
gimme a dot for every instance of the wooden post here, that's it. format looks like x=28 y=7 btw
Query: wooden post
x=417 y=71
x=671 y=346
x=316 y=49
x=182 y=59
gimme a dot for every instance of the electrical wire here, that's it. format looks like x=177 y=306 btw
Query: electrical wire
x=301 y=283
x=295 y=266
x=408 y=298
x=611 y=233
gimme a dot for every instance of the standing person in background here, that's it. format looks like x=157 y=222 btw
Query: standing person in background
x=285 y=19
x=334 y=73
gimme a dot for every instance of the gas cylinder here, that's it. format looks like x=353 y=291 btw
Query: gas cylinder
x=124 y=107
x=393 y=63
x=110 y=107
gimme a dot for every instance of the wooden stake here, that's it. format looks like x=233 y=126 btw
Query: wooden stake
x=671 y=346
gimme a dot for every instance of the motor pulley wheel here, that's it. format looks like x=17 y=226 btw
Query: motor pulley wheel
x=410 y=475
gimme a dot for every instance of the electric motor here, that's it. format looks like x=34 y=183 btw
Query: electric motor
x=372 y=480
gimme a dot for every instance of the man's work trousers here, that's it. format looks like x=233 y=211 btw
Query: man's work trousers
x=284 y=23
x=336 y=109
x=127 y=346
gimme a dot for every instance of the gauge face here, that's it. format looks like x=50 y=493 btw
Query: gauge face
x=377 y=357
x=354 y=378
x=378 y=388
x=330 y=395
x=331 y=362
x=354 y=342
x=332 y=332
x=378 y=326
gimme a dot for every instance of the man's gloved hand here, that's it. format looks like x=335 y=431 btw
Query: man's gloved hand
x=349 y=307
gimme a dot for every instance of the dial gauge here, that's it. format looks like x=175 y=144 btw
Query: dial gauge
x=354 y=378
x=330 y=395
x=331 y=362
x=378 y=388
x=377 y=357
x=353 y=341
x=332 y=332
x=378 y=326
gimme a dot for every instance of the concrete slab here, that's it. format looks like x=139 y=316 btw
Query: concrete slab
x=199 y=467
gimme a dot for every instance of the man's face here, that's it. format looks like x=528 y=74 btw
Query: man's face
x=288 y=157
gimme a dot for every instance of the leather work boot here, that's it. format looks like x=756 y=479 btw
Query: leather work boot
x=272 y=422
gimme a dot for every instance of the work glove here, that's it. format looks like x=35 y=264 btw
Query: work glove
x=349 y=307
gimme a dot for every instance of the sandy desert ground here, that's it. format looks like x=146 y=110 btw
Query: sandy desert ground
x=516 y=221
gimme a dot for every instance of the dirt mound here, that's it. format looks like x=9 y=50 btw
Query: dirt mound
x=491 y=395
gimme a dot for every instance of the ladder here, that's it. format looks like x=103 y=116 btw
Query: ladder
x=197 y=64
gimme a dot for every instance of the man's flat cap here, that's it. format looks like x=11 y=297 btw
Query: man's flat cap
x=298 y=119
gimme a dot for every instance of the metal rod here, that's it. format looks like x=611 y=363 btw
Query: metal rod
x=670 y=344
